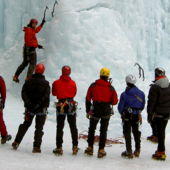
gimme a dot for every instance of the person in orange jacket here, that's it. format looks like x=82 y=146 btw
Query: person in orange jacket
x=65 y=90
x=29 y=49
x=4 y=134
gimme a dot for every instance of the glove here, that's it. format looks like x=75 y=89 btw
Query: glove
x=28 y=105
x=43 y=21
x=88 y=116
x=149 y=118
x=40 y=46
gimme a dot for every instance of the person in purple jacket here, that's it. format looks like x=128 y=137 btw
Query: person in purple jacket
x=131 y=104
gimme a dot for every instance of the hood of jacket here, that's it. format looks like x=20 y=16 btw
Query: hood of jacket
x=131 y=90
x=162 y=82
x=65 y=78
x=102 y=82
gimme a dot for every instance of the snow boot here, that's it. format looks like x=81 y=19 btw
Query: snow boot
x=154 y=140
x=136 y=153
x=127 y=154
x=36 y=150
x=89 y=151
x=5 y=138
x=75 y=150
x=159 y=155
x=101 y=153
x=15 y=78
x=58 y=151
x=15 y=145
x=150 y=137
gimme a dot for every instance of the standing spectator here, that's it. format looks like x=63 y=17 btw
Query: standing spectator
x=103 y=95
x=35 y=94
x=159 y=109
x=131 y=104
x=65 y=90
x=4 y=134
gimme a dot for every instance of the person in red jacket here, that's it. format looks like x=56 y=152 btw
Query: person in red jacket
x=65 y=90
x=104 y=96
x=4 y=134
x=29 y=49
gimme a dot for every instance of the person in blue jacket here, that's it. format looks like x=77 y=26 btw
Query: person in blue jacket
x=131 y=104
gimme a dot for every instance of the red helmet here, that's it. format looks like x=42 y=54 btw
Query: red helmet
x=40 y=68
x=66 y=70
x=33 y=21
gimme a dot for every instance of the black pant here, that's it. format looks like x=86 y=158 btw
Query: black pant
x=32 y=61
x=103 y=132
x=73 y=129
x=40 y=121
x=154 y=130
x=132 y=123
x=161 y=123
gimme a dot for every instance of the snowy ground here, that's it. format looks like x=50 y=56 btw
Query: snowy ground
x=23 y=158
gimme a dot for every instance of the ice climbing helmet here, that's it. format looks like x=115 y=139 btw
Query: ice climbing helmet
x=33 y=21
x=159 y=72
x=105 y=72
x=130 y=79
x=66 y=70
x=40 y=68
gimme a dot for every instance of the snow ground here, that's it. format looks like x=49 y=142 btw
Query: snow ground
x=23 y=158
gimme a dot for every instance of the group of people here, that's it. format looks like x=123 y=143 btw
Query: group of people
x=100 y=98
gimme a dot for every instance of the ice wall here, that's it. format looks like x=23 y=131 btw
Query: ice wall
x=88 y=35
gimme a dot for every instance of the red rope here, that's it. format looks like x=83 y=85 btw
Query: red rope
x=109 y=142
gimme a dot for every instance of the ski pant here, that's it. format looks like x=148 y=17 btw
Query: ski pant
x=32 y=61
x=2 y=125
x=154 y=130
x=73 y=129
x=39 y=123
x=103 y=131
x=132 y=123
x=161 y=123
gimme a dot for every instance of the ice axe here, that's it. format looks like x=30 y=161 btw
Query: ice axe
x=140 y=69
x=53 y=8
x=45 y=12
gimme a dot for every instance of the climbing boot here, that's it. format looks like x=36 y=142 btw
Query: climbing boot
x=127 y=154
x=89 y=151
x=58 y=151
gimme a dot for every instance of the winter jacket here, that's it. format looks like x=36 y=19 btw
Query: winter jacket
x=3 y=90
x=103 y=95
x=30 y=37
x=36 y=90
x=159 y=96
x=132 y=98
x=64 y=88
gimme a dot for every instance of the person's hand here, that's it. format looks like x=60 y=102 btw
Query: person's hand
x=149 y=118
x=40 y=46
x=88 y=116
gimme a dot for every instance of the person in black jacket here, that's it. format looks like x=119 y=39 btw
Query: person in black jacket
x=158 y=109
x=35 y=94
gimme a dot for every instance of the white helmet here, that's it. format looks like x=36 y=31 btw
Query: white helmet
x=130 y=79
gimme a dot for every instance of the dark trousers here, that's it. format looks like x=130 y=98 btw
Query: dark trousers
x=103 y=132
x=154 y=130
x=161 y=126
x=39 y=123
x=136 y=133
x=73 y=129
x=32 y=61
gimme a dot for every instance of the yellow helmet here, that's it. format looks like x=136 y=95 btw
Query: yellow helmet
x=105 y=72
